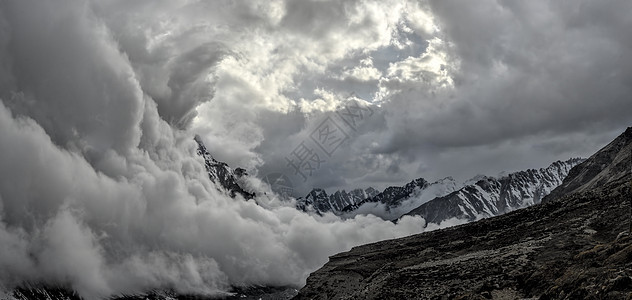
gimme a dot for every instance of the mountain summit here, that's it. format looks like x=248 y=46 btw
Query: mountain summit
x=221 y=174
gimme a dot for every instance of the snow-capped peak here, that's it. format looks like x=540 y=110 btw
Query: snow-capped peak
x=221 y=174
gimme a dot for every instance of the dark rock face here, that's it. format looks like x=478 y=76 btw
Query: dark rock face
x=445 y=199
x=393 y=196
x=317 y=199
x=527 y=253
x=491 y=197
x=220 y=173
x=608 y=167
x=571 y=247
x=342 y=199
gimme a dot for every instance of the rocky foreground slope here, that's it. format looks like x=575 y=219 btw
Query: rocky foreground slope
x=569 y=247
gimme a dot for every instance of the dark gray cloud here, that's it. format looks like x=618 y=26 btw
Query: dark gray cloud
x=101 y=188
x=531 y=83
x=524 y=72
x=68 y=48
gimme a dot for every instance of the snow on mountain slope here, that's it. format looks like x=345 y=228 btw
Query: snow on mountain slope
x=436 y=189
x=437 y=201
x=491 y=196
x=396 y=201
x=320 y=202
x=221 y=174
x=391 y=203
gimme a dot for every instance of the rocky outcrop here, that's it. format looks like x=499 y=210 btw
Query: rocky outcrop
x=394 y=195
x=574 y=246
x=608 y=167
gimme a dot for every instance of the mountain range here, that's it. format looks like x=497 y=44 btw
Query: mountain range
x=436 y=202
x=577 y=244
x=444 y=199
x=571 y=246
x=490 y=196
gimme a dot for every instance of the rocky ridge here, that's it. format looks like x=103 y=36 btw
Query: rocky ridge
x=320 y=202
x=418 y=189
x=221 y=174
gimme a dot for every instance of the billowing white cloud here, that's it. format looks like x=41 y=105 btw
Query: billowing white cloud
x=102 y=190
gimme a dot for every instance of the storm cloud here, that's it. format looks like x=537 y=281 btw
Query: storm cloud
x=102 y=190
x=483 y=87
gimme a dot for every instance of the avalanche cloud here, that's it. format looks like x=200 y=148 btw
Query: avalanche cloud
x=103 y=193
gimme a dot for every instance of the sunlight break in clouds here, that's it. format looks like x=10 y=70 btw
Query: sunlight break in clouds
x=102 y=190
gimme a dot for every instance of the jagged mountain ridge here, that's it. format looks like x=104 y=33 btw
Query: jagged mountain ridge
x=575 y=245
x=320 y=202
x=341 y=202
x=222 y=174
x=609 y=166
x=490 y=196
x=445 y=198
x=394 y=195
x=438 y=201
x=414 y=193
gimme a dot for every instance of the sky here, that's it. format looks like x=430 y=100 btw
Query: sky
x=457 y=89
x=101 y=188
